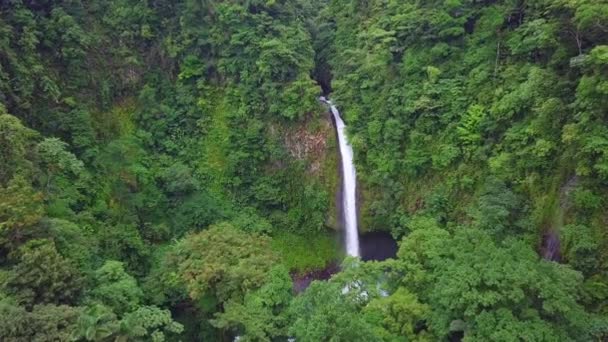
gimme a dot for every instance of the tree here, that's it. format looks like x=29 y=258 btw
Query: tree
x=496 y=208
x=42 y=275
x=516 y=290
x=147 y=323
x=115 y=288
x=73 y=241
x=124 y=242
x=223 y=262
x=20 y=210
x=334 y=310
x=43 y=323
x=261 y=314
x=97 y=323
x=61 y=174
x=322 y=313
x=399 y=315
x=15 y=144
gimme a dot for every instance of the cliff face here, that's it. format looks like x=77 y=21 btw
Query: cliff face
x=309 y=140
x=313 y=142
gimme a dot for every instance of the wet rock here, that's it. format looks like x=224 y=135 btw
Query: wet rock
x=302 y=281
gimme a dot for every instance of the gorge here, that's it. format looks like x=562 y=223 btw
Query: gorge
x=169 y=173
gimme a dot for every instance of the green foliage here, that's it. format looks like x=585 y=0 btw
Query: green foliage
x=74 y=242
x=63 y=172
x=261 y=315
x=42 y=275
x=295 y=251
x=139 y=128
x=581 y=246
x=97 y=323
x=484 y=120
x=20 y=209
x=469 y=131
x=223 y=262
x=515 y=290
x=496 y=208
x=123 y=242
x=324 y=313
x=139 y=123
x=115 y=288
x=399 y=315
x=147 y=323
x=15 y=141
x=332 y=310
x=42 y=323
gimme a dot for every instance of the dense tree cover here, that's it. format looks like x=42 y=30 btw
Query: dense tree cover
x=127 y=128
x=479 y=130
x=165 y=166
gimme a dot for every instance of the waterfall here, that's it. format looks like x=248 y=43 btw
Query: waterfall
x=349 y=182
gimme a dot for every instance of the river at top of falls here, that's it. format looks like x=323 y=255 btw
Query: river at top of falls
x=349 y=185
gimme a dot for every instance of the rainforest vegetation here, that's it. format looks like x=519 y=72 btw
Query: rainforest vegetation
x=167 y=171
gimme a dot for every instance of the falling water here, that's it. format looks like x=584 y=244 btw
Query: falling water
x=349 y=178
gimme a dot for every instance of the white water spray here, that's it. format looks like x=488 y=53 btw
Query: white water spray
x=349 y=182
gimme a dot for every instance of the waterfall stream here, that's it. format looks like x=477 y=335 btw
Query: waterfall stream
x=349 y=185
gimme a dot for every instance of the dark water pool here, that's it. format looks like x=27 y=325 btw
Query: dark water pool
x=377 y=246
